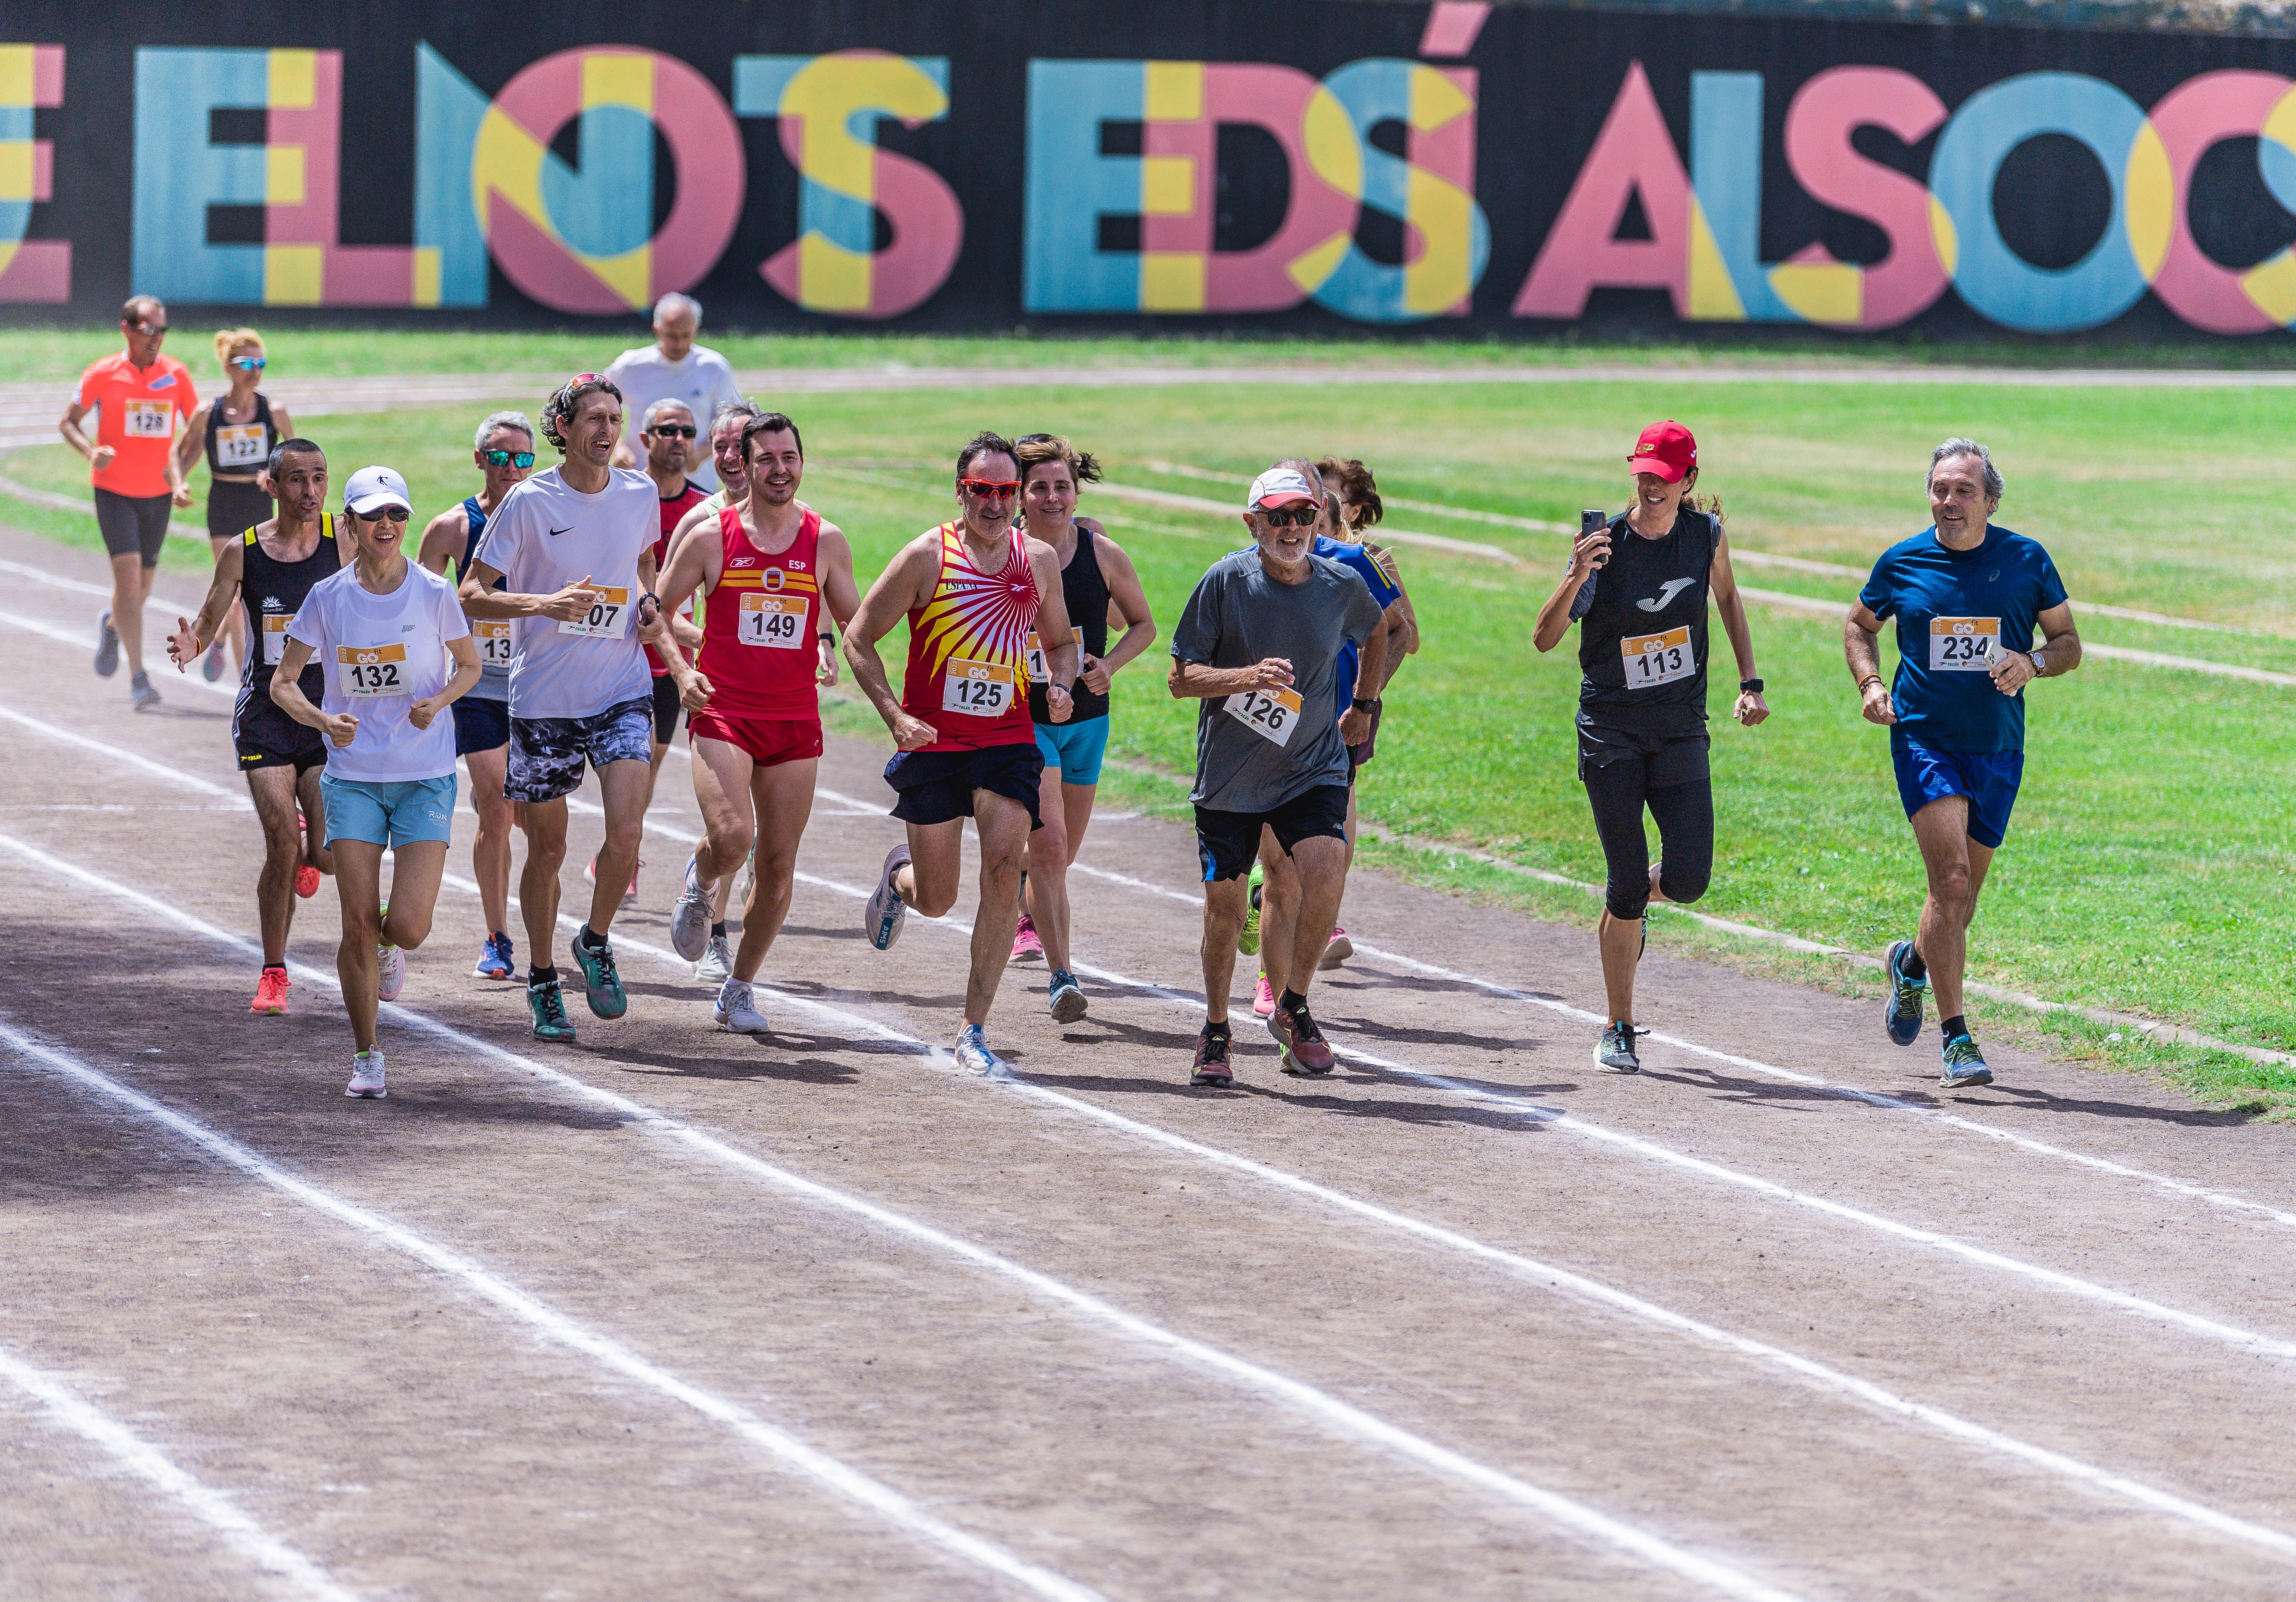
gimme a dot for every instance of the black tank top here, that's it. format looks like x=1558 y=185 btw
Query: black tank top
x=241 y=462
x=273 y=593
x=1085 y=593
x=1642 y=631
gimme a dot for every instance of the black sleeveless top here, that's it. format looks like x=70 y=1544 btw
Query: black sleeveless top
x=273 y=593
x=241 y=462
x=1085 y=593
x=1641 y=630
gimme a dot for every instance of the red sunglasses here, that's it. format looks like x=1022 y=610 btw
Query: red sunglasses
x=989 y=492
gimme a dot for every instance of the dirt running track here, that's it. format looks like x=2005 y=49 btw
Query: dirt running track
x=675 y=1313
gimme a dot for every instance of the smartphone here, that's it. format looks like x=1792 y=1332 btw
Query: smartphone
x=1590 y=523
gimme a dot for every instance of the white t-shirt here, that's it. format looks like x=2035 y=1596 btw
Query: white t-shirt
x=703 y=380
x=546 y=535
x=382 y=654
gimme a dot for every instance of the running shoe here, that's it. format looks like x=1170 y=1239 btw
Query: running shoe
x=212 y=668
x=602 y=981
x=1615 y=1052
x=390 y=971
x=1211 y=1059
x=141 y=695
x=689 y=924
x=366 y=1075
x=307 y=880
x=497 y=960
x=1067 y=997
x=748 y=882
x=882 y=919
x=107 y=647
x=737 y=1009
x=1336 y=951
x=973 y=1056
x=271 y=993
x=1263 y=997
x=1902 y=1010
x=1025 y=946
x=547 y=1002
x=1305 y=1050
x=1965 y=1064
x=716 y=964
x=1248 y=942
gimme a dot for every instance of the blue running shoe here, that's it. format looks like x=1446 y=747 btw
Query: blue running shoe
x=973 y=1056
x=1902 y=1010
x=497 y=961
x=1964 y=1065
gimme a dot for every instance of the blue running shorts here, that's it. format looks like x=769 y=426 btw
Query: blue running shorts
x=1989 y=779
x=1074 y=748
x=388 y=814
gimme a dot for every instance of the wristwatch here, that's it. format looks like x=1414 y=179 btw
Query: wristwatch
x=2039 y=665
x=1361 y=705
x=1750 y=687
x=829 y=637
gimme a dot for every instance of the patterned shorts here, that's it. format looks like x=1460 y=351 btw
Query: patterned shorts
x=547 y=754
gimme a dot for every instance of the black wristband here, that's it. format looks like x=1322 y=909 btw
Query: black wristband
x=829 y=636
x=1361 y=705
x=1750 y=687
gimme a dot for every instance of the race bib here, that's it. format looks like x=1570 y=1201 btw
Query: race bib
x=775 y=621
x=1657 y=658
x=1271 y=714
x=1037 y=674
x=239 y=445
x=147 y=419
x=494 y=641
x=976 y=689
x=274 y=636
x=608 y=618
x=1964 y=645
x=372 y=669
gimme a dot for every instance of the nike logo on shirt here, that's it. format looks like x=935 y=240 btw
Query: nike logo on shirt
x=569 y=531
x=1673 y=588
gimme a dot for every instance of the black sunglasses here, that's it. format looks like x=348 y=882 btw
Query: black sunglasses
x=148 y=328
x=674 y=431
x=1300 y=517
x=396 y=514
x=510 y=458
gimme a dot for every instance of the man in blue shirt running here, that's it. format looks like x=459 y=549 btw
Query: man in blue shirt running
x=1968 y=598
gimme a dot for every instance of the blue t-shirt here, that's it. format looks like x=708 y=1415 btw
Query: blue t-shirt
x=1955 y=610
x=1381 y=591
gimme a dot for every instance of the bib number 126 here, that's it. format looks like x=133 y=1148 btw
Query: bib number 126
x=1271 y=714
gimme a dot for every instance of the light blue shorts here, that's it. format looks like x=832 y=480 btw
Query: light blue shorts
x=1074 y=748
x=388 y=814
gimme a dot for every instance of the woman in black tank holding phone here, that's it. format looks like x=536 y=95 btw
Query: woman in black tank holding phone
x=237 y=431
x=1637 y=586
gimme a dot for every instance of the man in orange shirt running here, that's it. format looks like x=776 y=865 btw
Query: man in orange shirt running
x=137 y=396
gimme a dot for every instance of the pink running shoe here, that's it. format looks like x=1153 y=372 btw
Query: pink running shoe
x=307 y=880
x=1337 y=951
x=1025 y=946
x=1263 y=999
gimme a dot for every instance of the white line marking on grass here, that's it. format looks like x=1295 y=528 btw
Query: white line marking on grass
x=148 y=1463
x=783 y=1448
x=1337 y=1417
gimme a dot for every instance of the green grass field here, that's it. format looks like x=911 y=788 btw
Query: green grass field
x=2149 y=846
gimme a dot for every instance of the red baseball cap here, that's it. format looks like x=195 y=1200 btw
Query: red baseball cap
x=1667 y=449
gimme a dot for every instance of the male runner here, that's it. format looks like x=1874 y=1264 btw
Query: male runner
x=504 y=454
x=1968 y=597
x=271 y=567
x=138 y=396
x=1258 y=645
x=674 y=368
x=775 y=576
x=974 y=589
x=574 y=549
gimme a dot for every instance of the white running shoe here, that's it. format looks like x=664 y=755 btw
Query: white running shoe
x=689 y=924
x=391 y=973
x=716 y=964
x=882 y=919
x=737 y=1009
x=973 y=1056
x=366 y=1075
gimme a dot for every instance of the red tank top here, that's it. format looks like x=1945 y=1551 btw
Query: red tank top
x=968 y=673
x=760 y=622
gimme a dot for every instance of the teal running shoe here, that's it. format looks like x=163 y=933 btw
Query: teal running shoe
x=1965 y=1064
x=600 y=979
x=547 y=1002
x=1901 y=1009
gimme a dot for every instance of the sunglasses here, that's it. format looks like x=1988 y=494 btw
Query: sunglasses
x=510 y=458
x=674 y=431
x=987 y=491
x=151 y=329
x=247 y=364
x=1300 y=517
x=396 y=514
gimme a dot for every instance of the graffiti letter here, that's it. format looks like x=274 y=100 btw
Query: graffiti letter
x=1819 y=121
x=39 y=269
x=1632 y=155
x=1447 y=240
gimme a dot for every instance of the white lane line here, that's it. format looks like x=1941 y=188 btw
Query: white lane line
x=110 y=753
x=1339 y=1417
x=78 y=638
x=212 y=1508
x=783 y=1448
x=40 y=575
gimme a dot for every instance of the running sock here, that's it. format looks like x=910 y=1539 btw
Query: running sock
x=1217 y=1032
x=718 y=930
x=535 y=978
x=1953 y=1026
x=587 y=941
x=1292 y=1001
x=1912 y=965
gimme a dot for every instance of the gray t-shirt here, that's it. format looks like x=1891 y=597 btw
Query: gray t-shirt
x=1257 y=750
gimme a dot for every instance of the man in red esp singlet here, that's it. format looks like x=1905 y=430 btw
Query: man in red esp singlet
x=774 y=575
x=973 y=590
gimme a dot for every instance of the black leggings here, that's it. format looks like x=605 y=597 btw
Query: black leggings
x=1619 y=790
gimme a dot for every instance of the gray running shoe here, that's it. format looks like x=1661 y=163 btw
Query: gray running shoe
x=973 y=1056
x=882 y=919
x=141 y=695
x=366 y=1075
x=748 y=882
x=716 y=964
x=107 y=647
x=689 y=924
x=1965 y=1064
x=1068 y=1000
x=1616 y=1052
x=737 y=1010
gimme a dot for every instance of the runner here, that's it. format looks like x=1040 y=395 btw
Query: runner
x=238 y=431
x=395 y=651
x=778 y=575
x=503 y=451
x=137 y=396
x=1097 y=584
x=973 y=588
x=574 y=549
x=674 y=368
x=1258 y=645
x=1640 y=603
x=268 y=570
x=1968 y=596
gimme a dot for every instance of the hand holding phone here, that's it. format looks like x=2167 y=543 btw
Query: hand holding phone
x=1593 y=549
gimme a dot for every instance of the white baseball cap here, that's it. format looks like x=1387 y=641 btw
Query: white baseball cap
x=372 y=488
x=1279 y=487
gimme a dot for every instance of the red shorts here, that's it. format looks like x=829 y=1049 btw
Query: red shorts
x=769 y=740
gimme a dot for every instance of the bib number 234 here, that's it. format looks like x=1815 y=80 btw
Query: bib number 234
x=1964 y=645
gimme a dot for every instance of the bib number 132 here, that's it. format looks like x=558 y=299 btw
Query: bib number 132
x=976 y=689
x=1271 y=714
x=372 y=669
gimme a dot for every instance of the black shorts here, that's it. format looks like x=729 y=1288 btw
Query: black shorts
x=480 y=725
x=1227 y=841
x=134 y=525
x=937 y=785
x=265 y=737
x=234 y=508
x=666 y=707
x=1667 y=758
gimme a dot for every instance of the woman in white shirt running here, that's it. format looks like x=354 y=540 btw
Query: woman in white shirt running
x=398 y=652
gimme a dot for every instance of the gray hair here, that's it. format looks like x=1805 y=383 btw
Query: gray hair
x=1967 y=448
x=733 y=408
x=516 y=420
x=673 y=302
x=646 y=423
